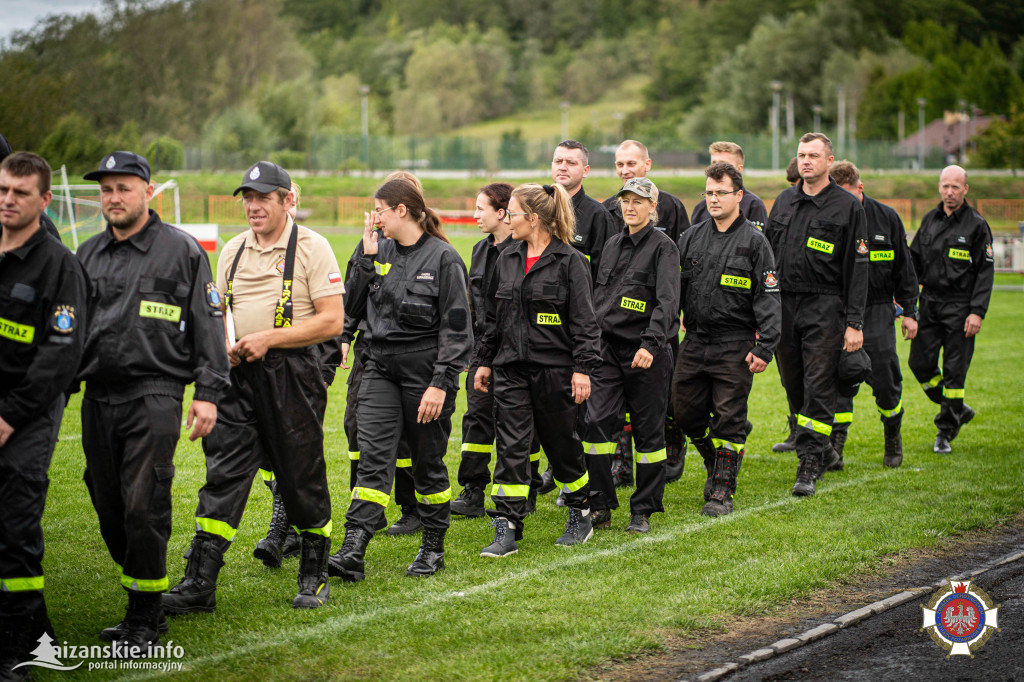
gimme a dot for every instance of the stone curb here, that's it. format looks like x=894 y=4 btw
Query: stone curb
x=843 y=621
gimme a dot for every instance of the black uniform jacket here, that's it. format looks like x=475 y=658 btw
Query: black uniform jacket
x=415 y=297
x=155 y=319
x=42 y=325
x=482 y=269
x=636 y=295
x=353 y=323
x=729 y=286
x=820 y=245
x=751 y=205
x=593 y=227
x=545 y=317
x=953 y=258
x=672 y=218
x=891 y=271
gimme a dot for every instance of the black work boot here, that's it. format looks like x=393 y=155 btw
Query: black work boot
x=347 y=563
x=430 y=559
x=197 y=591
x=723 y=485
x=270 y=549
x=470 y=501
x=19 y=636
x=838 y=440
x=142 y=623
x=547 y=481
x=531 y=501
x=830 y=459
x=675 y=452
x=942 y=445
x=313 y=588
x=622 y=460
x=806 y=475
x=707 y=453
x=408 y=523
x=578 y=529
x=292 y=544
x=893 y=456
x=504 y=539
x=788 y=445
x=120 y=630
x=966 y=415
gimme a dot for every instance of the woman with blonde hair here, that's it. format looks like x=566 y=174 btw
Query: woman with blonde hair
x=538 y=351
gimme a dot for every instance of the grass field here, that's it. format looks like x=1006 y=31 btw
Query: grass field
x=555 y=613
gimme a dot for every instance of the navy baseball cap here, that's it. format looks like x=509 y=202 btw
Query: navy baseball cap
x=121 y=163
x=265 y=177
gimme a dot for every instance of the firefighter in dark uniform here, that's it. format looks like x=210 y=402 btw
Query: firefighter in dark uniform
x=752 y=207
x=729 y=296
x=155 y=325
x=44 y=220
x=411 y=288
x=891 y=278
x=818 y=235
x=594 y=224
x=42 y=317
x=632 y=160
x=543 y=344
x=952 y=255
x=636 y=300
x=282 y=292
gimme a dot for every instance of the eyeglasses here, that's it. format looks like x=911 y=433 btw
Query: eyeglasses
x=716 y=195
x=509 y=214
x=379 y=211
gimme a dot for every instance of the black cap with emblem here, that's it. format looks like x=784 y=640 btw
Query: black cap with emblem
x=853 y=369
x=121 y=163
x=265 y=177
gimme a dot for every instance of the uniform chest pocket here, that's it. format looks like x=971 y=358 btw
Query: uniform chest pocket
x=163 y=304
x=691 y=266
x=780 y=222
x=822 y=237
x=419 y=307
x=550 y=293
x=735 y=277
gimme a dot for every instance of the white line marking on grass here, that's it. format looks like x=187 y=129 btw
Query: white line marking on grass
x=74 y=436
x=256 y=643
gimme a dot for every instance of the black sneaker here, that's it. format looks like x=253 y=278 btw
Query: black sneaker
x=942 y=445
x=407 y=524
x=504 y=539
x=470 y=501
x=578 y=529
x=638 y=523
x=601 y=518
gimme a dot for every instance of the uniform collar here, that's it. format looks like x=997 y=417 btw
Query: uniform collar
x=641 y=234
x=818 y=199
x=22 y=251
x=577 y=199
x=281 y=243
x=956 y=215
x=141 y=240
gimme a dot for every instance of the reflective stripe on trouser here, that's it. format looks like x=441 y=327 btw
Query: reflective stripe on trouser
x=941 y=328
x=808 y=359
x=24 y=462
x=535 y=401
x=477 y=435
x=615 y=389
x=272 y=414
x=726 y=445
x=129 y=456
x=389 y=398
x=267 y=476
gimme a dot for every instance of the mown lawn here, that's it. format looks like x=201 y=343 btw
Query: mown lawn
x=552 y=613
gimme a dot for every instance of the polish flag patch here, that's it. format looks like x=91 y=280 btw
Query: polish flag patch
x=334 y=277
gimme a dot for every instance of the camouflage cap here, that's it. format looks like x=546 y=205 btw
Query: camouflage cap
x=639 y=186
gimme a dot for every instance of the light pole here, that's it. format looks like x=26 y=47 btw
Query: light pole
x=618 y=116
x=841 y=105
x=921 y=102
x=364 y=92
x=776 y=89
x=963 y=132
x=565 y=120
x=817 y=109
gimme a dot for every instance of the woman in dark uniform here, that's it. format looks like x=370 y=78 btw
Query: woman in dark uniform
x=542 y=342
x=411 y=289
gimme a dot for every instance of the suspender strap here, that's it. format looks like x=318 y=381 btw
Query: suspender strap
x=283 y=312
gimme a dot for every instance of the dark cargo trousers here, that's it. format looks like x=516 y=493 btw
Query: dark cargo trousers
x=808 y=357
x=532 y=399
x=941 y=327
x=129 y=457
x=272 y=412
x=710 y=387
x=389 y=397
x=617 y=388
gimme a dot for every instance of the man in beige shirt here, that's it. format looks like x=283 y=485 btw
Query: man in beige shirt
x=282 y=290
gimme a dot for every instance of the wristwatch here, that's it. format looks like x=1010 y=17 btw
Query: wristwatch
x=859 y=326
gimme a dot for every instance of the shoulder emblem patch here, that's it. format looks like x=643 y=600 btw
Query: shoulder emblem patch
x=334 y=277
x=770 y=280
x=988 y=251
x=64 y=319
x=212 y=296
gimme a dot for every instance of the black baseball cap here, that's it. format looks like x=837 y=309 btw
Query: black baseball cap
x=121 y=163
x=853 y=369
x=265 y=177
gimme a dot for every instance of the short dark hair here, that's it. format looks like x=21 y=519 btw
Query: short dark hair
x=720 y=169
x=793 y=172
x=811 y=137
x=576 y=144
x=845 y=173
x=498 y=193
x=24 y=164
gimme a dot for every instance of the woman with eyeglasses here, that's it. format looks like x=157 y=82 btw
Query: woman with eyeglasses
x=636 y=297
x=411 y=289
x=537 y=354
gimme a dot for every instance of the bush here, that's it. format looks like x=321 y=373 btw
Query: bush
x=289 y=159
x=73 y=143
x=165 y=153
